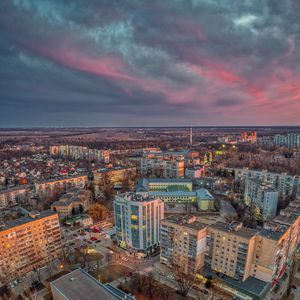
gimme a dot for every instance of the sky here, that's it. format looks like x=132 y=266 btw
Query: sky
x=149 y=63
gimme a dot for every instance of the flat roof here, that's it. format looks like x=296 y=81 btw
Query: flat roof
x=183 y=221
x=28 y=219
x=243 y=232
x=271 y=234
x=167 y=180
x=78 y=285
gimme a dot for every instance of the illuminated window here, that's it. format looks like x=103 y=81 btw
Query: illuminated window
x=134 y=217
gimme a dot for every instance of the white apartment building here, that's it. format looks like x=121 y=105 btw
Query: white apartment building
x=291 y=140
x=137 y=220
x=159 y=167
x=262 y=195
x=286 y=185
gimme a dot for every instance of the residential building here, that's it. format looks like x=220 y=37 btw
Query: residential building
x=137 y=221
x=11 y=197
x=77 y=201
x=183 y=243
x=79 y=152
x=290 y=140
x=230 y=249
x=162 y=167
x=48 y=189
x=263 y=196
x=114 y=175
x=164 y=184
x=78 y=285
x=195 y=172
x=286 y=185
x=28 y=243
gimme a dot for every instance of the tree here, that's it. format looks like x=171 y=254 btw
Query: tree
x=98 y=212
x=183 y=281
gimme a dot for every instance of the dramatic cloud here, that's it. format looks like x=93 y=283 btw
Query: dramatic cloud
x=134 y=62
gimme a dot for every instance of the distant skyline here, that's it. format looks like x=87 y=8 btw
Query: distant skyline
x=149 y=63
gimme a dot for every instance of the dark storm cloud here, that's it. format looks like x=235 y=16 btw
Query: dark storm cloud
x=150 y=62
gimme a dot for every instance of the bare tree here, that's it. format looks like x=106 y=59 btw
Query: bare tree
x=183 y=281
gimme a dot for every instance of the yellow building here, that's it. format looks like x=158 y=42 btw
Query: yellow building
x=183 y=243
x=28 y=243
x=75 y=201
x=231 y=249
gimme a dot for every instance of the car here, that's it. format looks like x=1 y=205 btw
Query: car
x=94 y=268
x=94 y=239
x=170 y=276
x=90 y=242
x=293 y=286
x=11 y=284
x=124 y=258
x=15 y=282
x=75 y=235
x=161 y=273
x=98 y=241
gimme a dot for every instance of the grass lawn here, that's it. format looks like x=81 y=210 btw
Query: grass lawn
x=110 y=273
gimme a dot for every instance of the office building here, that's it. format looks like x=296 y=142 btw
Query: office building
x=28 y=243
x=137 y=221
x=183 y=243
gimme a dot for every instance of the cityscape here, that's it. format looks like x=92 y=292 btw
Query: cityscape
x=149 y=150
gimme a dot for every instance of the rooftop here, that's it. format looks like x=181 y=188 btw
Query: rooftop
x=135 y=197
x=78 y=285
x=235 y=229
x=188 y=221
x=204 y=194
x=27 y=219
x=271 y=234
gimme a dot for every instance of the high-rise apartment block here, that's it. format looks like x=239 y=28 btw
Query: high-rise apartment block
x=49 y=188
x=183 y=243
x=262 y=196
x=11 y=197
x=137 y=220
x=162 y=167
x=28 y=243
x=290 y=140
x=80 y=152
x=286 y=185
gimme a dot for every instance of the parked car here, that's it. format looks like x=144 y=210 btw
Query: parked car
x=124 y=258
x=94 y=239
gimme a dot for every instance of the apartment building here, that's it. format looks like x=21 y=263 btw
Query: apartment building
x=162 y=167
x=230 y=249
x=73 y=202
x=137 y=220
x=183 y=243
x=49 y=188
x=114 y=175
x=28 y=243
x=286 y=185
x=263 y=196
x=290 y=140
x=11 y=197
x=79 y=152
